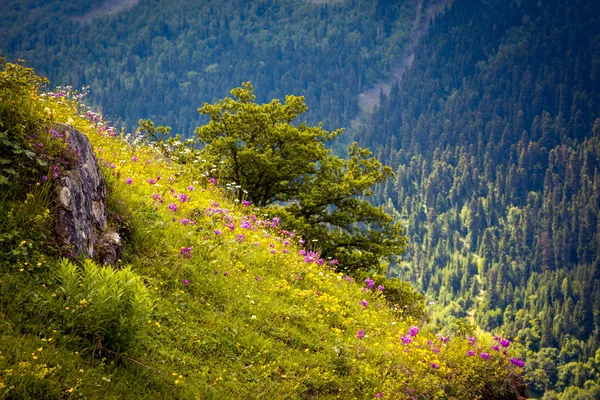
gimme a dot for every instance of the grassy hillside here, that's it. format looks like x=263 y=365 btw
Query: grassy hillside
x=210 y=300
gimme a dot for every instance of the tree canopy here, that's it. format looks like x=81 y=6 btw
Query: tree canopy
x=285 y=165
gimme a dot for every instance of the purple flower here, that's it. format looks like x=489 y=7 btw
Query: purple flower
x=360 y=334
x=186 y=282
x=517 y=362
x=275 y=222
x=379 y=395
x=471 y=353
x=505 y=343
x=246 y=203
x=218 y=232
x=348 y=278
x=471 y=340
x=484 y=355
x=413 y=330
x=190 y=188
x=406 y=339
x=230 y=226
x=381 y=288
x=44 y=178
x=240 y=237
x=369 y=283
x=157 y=197
x=172 y=207
x=134 y=159
x=257 y=278
x=185 y=252
x=182 y=197
x=333 y=262
x=434 y=365
x=129 y=181
x=213 y=181
x=496 y=348
x=152 y=181
x=245 y=224
x=364 y=303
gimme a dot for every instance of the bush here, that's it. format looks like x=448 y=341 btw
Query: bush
x=104 y=306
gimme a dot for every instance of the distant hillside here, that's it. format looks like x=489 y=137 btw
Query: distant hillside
x=163 y=59
x=494 y=134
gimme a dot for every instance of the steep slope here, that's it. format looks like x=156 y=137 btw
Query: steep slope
x=494 y=136
x=210 y=300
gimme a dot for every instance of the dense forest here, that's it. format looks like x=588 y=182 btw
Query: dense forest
x=163 y=60
x=495 y=138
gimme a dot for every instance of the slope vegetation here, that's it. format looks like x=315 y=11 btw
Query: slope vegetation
x=210 y=300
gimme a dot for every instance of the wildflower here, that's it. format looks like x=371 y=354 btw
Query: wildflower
x=273 y=251
x=364 y=303
x=434 y=365
x=275 y=222
x=517 y=362
x=129 y=181
x=218 y=232
x=44 y=178
x=134 y=159
x=369 y=283
x=246 y=203
x=212 y=181
x=182 y=197
x=381 y=288
x=186 y=282
x=157 y=197
x=413 y=330
x=471 y=340
x=333 y=262
x=406 y=339
x=471 y=353
x=245 y=224
x=379 y=395
x=185 y=252
x=240 y=237
x=257 y=278
x=230 y=226
x=348 y=278
x=172 y=207
x=505 y=343
x=360 y=334
x=185 y=221
x=484 y=355
x=496 y=348
x=190 y=188
x=152 y=181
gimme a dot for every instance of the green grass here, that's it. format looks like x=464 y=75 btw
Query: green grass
x=229 y=318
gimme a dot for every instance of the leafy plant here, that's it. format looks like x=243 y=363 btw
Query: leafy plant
x=285 y=165
x=107 y=307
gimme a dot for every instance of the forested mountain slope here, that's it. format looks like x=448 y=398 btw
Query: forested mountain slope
x=162 y=60
x=495 y=137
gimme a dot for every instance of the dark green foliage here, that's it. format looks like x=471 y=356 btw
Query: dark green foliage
x=162 y=59
x=495 y=137
x=287 y=166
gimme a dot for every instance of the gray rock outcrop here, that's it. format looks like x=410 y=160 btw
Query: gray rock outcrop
x=81 y=223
